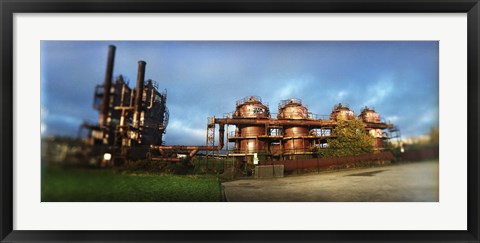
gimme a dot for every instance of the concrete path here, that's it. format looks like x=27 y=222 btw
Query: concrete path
x=412 y=182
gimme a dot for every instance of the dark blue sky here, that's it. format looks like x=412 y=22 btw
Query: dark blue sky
x=205 y=78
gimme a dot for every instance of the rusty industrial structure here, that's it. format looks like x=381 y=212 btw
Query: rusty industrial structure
x=295 y=133
x=132 y=122
x=128 y=118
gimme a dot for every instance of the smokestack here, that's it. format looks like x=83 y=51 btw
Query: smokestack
x=107 y=84
x=139 y=93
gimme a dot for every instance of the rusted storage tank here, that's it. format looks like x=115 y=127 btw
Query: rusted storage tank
x=294 y=140
x=341 y=112
x=369 y=115
x=377 y=135
x=251 y=107
x=292 y=109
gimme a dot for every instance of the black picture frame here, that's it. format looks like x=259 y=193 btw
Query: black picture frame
x=9 y=7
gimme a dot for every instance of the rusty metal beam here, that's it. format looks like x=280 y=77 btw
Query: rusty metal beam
x=289 y=122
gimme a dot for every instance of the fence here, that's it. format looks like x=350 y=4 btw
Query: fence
x=330 y=163
x=420 y=154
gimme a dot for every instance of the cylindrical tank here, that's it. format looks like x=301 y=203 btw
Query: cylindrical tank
x=294 y=140
x=251 y=144
x=292 y=109
x=377 y=135
x=251 y=107
x=369 y=115
x=341 y=112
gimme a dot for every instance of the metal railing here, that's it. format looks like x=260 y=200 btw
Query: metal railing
x=251 y=98
x=289 y=101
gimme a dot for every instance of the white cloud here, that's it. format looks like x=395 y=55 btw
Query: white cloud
x=378 y=92
x=185 y=134
x=341 y=95
x=43 y=128
x=428 y=117
x=294 y=87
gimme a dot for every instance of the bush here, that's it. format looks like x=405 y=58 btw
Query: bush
x=351 y=139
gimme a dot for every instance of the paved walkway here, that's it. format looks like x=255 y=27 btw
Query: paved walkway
x=412 y=182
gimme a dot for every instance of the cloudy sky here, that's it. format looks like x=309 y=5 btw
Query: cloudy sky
x=204 y=78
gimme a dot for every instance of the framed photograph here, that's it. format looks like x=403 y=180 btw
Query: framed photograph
x=239 y=121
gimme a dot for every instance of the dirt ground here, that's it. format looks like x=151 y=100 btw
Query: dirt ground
x=409 y=182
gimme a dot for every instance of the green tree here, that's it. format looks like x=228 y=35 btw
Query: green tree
x=351 y=139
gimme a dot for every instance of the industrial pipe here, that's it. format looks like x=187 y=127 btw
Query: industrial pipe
x=192 y=153
x=107 y=84
x=139 y=93
x=152 y=94
x=195 y=149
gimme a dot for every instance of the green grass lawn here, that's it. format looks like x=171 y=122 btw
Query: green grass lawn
x=107 y=185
